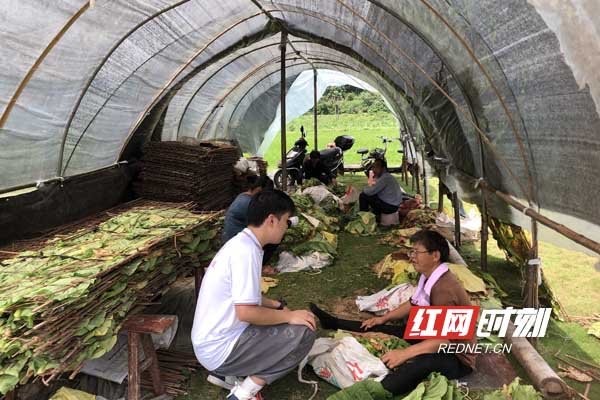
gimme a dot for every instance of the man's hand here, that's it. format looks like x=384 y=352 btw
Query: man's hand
x=302 y=317
x=394 y=358
x=371 y=322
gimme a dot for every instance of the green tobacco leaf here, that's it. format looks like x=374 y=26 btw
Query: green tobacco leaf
x=130 y=268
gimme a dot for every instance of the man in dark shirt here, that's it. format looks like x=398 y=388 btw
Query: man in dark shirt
x=237 y=213
x=314 y=168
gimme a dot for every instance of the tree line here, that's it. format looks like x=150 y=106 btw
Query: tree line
x=349 y=99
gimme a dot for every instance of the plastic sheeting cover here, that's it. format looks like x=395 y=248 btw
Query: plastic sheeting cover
x=521 y=74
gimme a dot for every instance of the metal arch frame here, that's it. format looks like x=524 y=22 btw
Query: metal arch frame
x=352 y=54
x=174 y=77
x=441 y=90
x=407 y=81
x=238 y=83
x=320 y=61
x=218 y=71
x=357 y=56
x=292 y=57
x=97 y=70
x=362 y=59
x=496 y=92
x=339 y=64
x=333 y=22
x=323 y=62
x=116 y=46
x=17 y=93
x=221 y=100
x=86 y=6
x=140 y=118
x=111 y=95
x=481 y=134
x=471 y=117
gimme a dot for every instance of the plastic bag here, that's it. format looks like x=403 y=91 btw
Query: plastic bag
x=342 y=362
x=386 y=299
x=242 y=166
x=72 y=394
x=288 y=262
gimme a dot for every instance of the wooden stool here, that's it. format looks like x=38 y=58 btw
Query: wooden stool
x=139 y=328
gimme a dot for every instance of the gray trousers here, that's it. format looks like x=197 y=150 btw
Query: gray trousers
x=268 y=352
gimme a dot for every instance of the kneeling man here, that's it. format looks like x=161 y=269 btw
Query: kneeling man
x=236 y=331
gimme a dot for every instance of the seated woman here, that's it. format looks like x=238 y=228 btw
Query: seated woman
x=383 y=194
x=437 y=287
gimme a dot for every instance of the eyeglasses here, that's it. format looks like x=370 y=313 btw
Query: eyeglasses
x=413 y=253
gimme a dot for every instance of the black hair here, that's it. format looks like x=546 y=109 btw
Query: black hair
x=252 y=181
x=267 y=183
x=381 y=162
x=256 y=181
x=315 y=154
x=269 y=202
x=432 y=241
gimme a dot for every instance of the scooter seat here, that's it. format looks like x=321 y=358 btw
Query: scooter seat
x=362 y=151
x=329 y=153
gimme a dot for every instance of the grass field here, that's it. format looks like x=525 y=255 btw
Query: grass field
x=364 y=127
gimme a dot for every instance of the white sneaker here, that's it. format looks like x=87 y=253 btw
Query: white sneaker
x=233 y=395
x=226 y=382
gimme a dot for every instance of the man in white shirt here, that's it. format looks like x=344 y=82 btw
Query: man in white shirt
x=236 y=331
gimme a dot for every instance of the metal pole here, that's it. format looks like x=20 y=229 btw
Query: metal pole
x=484 y=232
x=456 y=220
x=415 y=165
x=424 y=178
x=315 y=125
x=283 y=49
x=531 y=297
x=532 y=272
x=417 y=175
x=441 y=191
x=404 y=161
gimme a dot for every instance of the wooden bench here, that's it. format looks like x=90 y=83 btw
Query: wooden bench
x=139 y=328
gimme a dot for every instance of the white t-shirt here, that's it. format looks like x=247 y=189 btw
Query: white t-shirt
x=233 y=277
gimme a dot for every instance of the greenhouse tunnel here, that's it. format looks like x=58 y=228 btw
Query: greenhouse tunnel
x=503 y=92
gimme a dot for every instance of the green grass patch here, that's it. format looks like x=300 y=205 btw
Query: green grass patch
x=364 y=127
